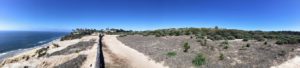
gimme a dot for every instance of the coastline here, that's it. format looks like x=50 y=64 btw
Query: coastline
x=56 y=54
x=41 y=44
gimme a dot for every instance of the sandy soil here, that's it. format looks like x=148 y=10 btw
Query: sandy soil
x=292 y=63
x=117 y=55
x=84 y=57
x=257 y=55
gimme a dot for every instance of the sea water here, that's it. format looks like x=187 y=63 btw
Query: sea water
x=13 y=42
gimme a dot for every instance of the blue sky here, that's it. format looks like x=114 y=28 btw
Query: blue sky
x=64 y=15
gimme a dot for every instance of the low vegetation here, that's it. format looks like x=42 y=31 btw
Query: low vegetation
x=123 y=35
x=199 y=60
x=248 y=45
x=171 y=54
x=265 y=43
x=216 y=33
x=245 y=40
x=221 y=57
x=186 y=47
x=225 y=44
x=78 y=33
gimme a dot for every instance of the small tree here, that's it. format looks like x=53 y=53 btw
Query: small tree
x=186 y=46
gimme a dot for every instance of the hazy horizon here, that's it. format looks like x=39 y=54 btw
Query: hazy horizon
x=65 y=15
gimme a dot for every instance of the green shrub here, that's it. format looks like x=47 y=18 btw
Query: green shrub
x=171 y=54
x=243 y=48
x=248 y=45
x=230 y=37
x=259 y=38
x=217 y=37
x=221 y=57
x=187 y=33
x=186 y=46
x=226 y=47
x=203 y=42
x=266 y=43
x=199 y=60
x=145 y=35
x=177 y=33
x=280 y=42
x=123 y=35
x=292 y=41
x=157 y=35
x=77 y=51
x=225 y=42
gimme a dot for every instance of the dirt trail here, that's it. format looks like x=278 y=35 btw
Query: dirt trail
x=116 y=54
x=292 y=63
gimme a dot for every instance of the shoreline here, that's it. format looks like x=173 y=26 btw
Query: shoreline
x=8 y=54
x=56 y=53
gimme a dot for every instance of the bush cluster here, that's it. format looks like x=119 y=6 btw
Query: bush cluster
x=78 y=33
x=225 y=44
x=216 y=33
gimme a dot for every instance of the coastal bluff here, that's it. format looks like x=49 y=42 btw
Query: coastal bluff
x=74 y=53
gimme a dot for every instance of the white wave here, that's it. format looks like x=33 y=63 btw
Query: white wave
x=1 y=54
x=40 y=42
x=19 y=51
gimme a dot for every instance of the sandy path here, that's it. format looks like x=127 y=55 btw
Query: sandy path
x=126 y=55
x=292 y=63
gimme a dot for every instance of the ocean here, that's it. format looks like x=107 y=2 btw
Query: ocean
x=13 y=42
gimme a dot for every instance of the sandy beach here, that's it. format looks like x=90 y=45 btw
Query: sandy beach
x=76 y=53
